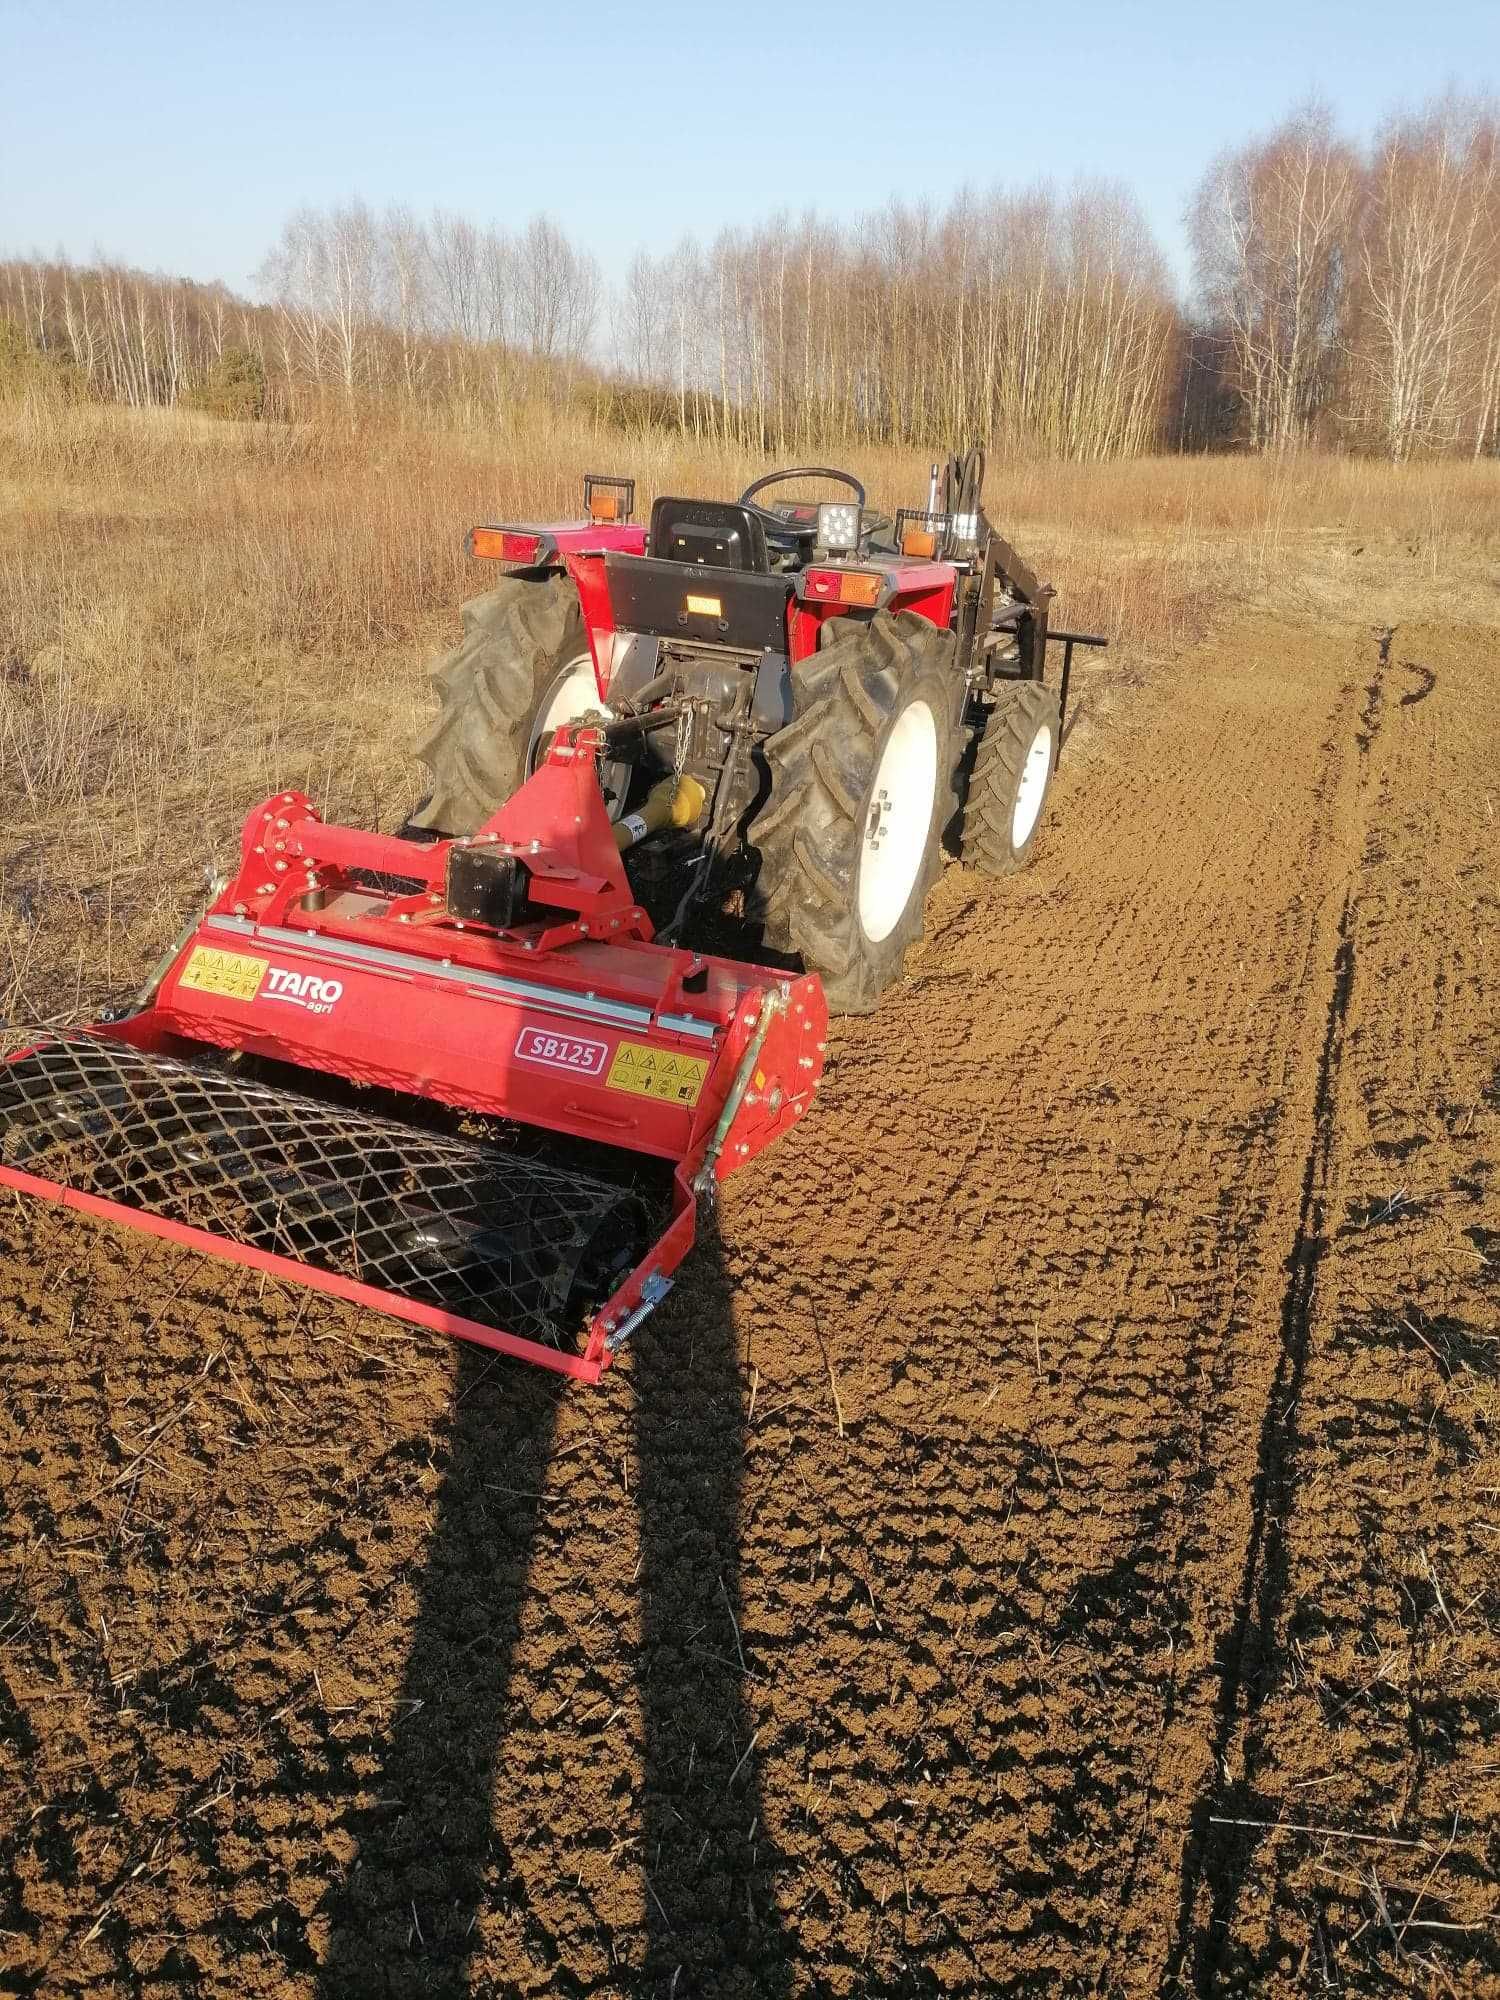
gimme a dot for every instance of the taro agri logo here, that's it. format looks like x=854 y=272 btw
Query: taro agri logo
x=574 y=1053
x=303 y=989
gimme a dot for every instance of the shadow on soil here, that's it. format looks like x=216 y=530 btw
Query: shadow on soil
x=429 y=1848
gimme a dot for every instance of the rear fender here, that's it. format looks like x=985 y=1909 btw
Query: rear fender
x=579 y=547
x=925 y=588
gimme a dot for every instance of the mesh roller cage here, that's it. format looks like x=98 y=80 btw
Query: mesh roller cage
x=495 y=1238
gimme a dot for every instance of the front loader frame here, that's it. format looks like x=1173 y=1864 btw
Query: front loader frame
x=985 y=639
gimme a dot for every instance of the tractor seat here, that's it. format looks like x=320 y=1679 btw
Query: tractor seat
x=710 y=534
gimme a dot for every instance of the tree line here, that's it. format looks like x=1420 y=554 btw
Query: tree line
x=1343 y=295
x=1047 y=321
x=361 y=316
x=1353 y=295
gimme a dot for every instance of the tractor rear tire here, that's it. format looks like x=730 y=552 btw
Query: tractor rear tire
x=1011 y=778
x=523 y=646
x=861 y=788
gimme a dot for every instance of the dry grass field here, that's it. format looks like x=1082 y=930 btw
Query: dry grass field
x=194 y=612
x=1046 y=1543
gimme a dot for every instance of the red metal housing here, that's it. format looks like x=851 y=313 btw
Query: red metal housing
x=575 y=1023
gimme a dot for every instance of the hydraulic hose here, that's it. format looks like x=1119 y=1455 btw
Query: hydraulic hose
x=963 y=482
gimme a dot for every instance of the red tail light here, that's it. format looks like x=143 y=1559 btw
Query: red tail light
x=842 y=586
x=502 y=545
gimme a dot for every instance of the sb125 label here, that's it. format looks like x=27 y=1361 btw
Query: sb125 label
x=574 y=1053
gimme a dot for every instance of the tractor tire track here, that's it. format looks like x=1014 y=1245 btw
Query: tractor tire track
x=1106 y=1593
x=1354 y=1641
x=1208 y=1856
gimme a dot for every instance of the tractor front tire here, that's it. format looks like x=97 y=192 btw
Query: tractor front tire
x=523 y=648
x=1011 y=778
x=861 y=789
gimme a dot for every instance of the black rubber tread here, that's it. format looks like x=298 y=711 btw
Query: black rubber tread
x=823 y=764
x=515 y=639
x=989 y=808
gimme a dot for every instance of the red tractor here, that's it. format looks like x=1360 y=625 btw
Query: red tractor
x=479 y=1075
x=846 y=690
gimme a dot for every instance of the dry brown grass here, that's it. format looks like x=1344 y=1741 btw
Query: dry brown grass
x=193 y=613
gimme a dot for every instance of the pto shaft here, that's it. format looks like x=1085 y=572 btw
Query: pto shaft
x=675 y=801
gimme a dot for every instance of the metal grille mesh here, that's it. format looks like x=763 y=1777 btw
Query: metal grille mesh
x=511 y=1242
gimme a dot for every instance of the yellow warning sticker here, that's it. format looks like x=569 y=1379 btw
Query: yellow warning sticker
x=230 y=973
x=648 y=1072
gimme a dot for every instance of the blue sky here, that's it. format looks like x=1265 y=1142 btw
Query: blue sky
x=178 y=137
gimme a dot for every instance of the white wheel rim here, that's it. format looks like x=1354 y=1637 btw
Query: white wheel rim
x=1032 y=788
x=899 y=822
x=575 y=693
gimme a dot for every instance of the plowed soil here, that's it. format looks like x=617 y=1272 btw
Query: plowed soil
x=1047 y=1543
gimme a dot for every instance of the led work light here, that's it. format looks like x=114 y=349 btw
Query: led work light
x=838 y=527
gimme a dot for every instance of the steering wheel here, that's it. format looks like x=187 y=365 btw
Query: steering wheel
x=778 y=523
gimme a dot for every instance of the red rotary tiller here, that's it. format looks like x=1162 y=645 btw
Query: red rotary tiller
x=306 y=963
x=463 y=1075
